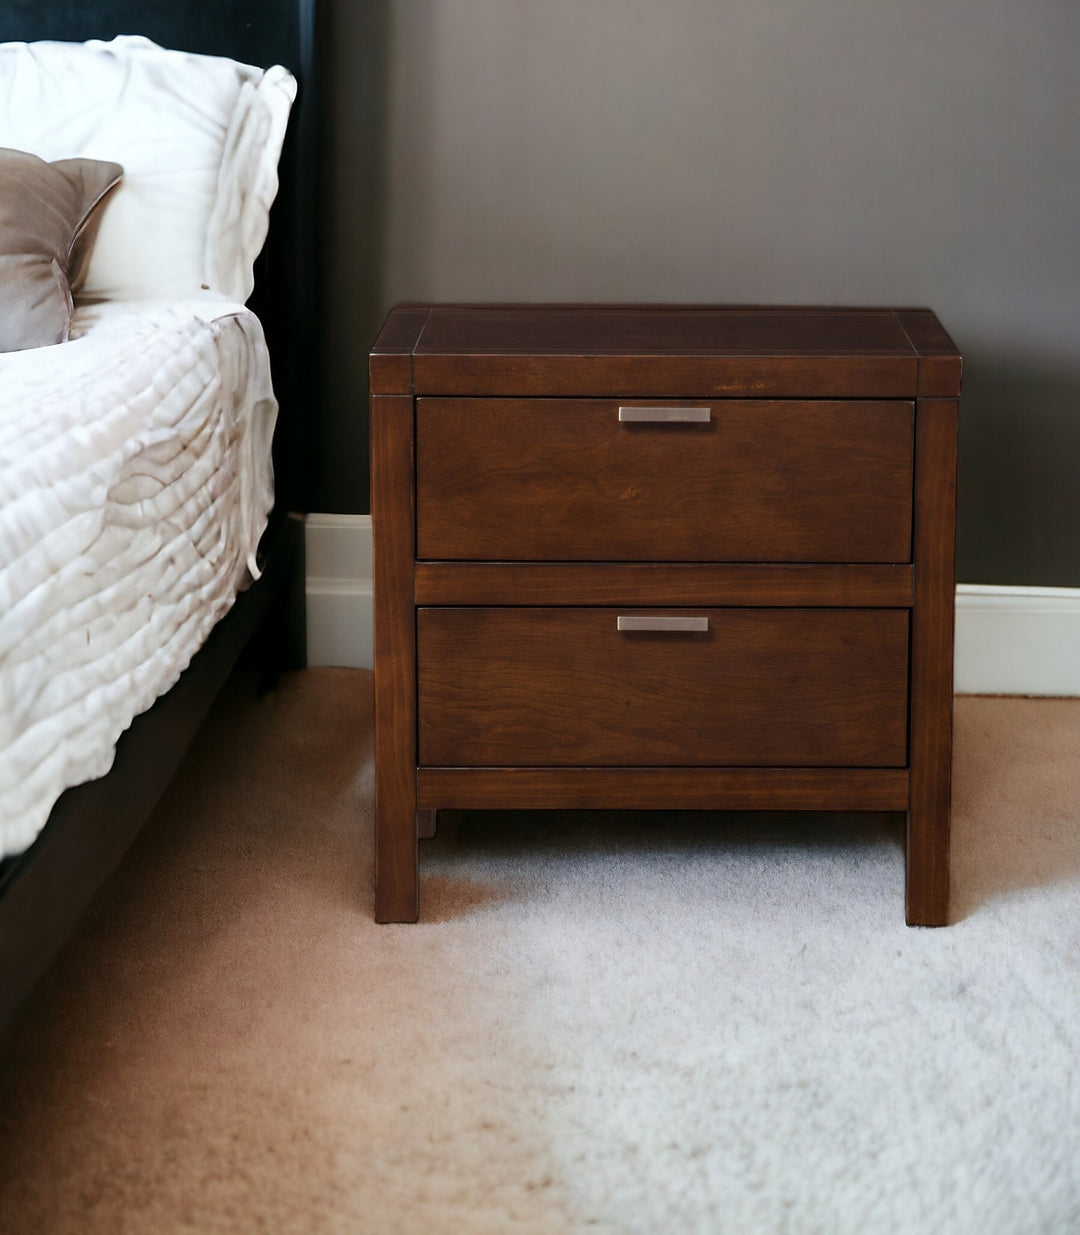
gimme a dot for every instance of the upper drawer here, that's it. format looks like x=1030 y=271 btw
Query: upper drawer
x=758 y=481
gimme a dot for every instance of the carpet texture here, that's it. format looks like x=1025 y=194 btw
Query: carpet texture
x=605 y=1022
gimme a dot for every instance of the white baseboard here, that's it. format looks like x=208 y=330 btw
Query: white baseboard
x=1009 y=640
x=339 y=591
x=1017 y=640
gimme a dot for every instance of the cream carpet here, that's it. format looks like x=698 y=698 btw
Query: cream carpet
x=614 y=1023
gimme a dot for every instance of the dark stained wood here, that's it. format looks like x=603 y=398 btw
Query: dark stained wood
x=401 y=331
x=940 y=366
x=663 y=788
x=678 y=351
x=671 y=376
x=426 y=824
x=390 y=362
x=661 y=583
x=714 y=331
x=932 y=663
x=785 y=687
x=790 y=524
x=563 y=479
x=396 y=896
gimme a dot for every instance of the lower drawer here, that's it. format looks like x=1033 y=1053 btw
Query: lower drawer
x=543 y=687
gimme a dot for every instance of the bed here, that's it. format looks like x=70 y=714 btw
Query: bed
x=191 y=351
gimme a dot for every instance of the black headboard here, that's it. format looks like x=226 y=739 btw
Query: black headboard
x=261 y=32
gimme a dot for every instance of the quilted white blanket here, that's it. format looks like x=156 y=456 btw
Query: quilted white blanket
x=135 y=482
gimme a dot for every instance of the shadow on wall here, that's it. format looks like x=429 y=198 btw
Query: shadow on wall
x=1019 y=488
x=355 y=59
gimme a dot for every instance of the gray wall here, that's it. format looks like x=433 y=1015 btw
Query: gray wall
x=835 y=151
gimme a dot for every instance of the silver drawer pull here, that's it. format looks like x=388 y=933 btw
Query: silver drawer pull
x=698 y=624
x=665 y=415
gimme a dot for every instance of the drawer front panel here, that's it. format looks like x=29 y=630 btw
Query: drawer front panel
x=758 y=481
x=542 y=687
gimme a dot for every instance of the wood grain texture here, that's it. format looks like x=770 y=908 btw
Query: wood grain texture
x=787 y=687
x=564 y=479
x=392 y=505
x=686 y=351
x=663 y=788
x=881 y=377
x=661 y=583
x=709 y=330
x=390 y=362
x=932 y=663
x=816 y=535
x=748 y=350
x=940 y=366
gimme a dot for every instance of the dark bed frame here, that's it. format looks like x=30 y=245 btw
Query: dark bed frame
x=45 y=891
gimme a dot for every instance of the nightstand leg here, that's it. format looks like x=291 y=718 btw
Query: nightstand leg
x=396 y=871
x=932 y=620
x=396 y=876
x=927 y=894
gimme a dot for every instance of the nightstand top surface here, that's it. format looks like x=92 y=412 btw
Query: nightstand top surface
x=732 y=351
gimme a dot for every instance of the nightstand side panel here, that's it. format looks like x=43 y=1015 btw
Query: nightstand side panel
x=393 y=524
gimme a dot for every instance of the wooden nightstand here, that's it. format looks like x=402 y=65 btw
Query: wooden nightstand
x=658 y=557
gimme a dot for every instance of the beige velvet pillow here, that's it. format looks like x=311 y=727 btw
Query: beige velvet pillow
x=49 y=214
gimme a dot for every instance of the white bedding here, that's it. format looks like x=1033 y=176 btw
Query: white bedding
x=135 y=482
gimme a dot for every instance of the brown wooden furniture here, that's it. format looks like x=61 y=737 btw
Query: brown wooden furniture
x=656 y=557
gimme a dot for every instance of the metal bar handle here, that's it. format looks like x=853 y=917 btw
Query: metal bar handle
x=696 y=624
x=665 y=415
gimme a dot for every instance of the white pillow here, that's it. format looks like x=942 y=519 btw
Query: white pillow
x=198 y=137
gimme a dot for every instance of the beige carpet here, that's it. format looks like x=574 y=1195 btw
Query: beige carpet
x=619 y=1023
